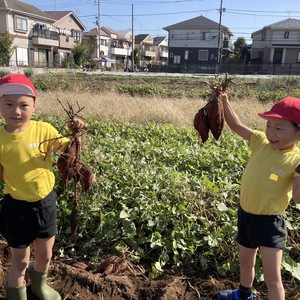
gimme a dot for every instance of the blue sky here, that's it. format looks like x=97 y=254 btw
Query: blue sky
x=241 y=17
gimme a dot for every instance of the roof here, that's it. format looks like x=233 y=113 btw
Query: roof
x=158 y=39
x=196 y=23
x=94 y=32
x=58 y=15
x=140 y=38
x=111 y=32
x=287 y=24
x=23 y=8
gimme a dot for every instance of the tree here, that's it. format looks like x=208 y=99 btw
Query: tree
x=6 y=47
x=91 y=47
x=78 y=52
x=241 y=51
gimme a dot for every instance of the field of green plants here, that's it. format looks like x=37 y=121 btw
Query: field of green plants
x=168 y=198
x=158 y=191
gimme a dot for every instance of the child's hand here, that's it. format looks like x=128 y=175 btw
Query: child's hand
x=77 y=125
x=224 y=97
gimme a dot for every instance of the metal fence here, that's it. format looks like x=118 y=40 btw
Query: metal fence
x=233 y=68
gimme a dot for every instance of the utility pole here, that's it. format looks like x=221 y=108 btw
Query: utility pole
x=220 y=46
x=132 y=40
x=98 y=26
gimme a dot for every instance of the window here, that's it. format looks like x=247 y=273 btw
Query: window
x=263 y=35
x=298 y=58
x=21 y=24
x=205 y=36
x=43 y=57
x=203 y=55
x=186 y=54
x=260 y=54
x=286 y=35
x=76 y=36
x=176 y=59
x=103 y=42
x=22 y=56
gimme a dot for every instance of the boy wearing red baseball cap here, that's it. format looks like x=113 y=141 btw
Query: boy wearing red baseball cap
x=28 y=209
x=271 y=178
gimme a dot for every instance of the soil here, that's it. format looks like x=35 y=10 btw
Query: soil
x=73 y=282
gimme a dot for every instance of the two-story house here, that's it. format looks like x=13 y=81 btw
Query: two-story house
x=144 y=44
x=102 y=40
x=39 y=37
x=197 y=42
x=119 y=46
x=70 y=30
x=278 y=43
x=160 y=44
x=31 y=28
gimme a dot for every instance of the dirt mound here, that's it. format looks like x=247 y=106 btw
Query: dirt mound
x=74 y=283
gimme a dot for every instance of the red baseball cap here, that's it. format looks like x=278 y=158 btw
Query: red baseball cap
x=287 y=108
x=16 y=84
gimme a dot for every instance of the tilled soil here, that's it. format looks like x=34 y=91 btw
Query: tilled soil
x=74 y=283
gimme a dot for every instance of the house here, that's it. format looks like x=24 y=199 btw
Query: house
x=119 y=47
x=102 y=41
x=70 y=31
x=160 y=44
x=198 y=41
x=39 y=37
x=144 y=44
x=278 y=43
x=33 y=33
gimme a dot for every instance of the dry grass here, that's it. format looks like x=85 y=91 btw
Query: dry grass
x=112 y=107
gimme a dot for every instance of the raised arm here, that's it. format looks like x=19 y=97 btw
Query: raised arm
x=296 y=187
x=233 y=120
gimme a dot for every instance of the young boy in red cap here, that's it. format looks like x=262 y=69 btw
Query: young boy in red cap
x=270 y=179
x=28 y=210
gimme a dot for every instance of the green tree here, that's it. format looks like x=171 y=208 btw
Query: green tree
x=91 y=46
x=79 y=52
x=6 y=47
x=241 y=51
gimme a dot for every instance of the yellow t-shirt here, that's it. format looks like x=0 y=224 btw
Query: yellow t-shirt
x=267 y=181
x=28 y=173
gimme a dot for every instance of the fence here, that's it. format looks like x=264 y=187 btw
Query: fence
x=233 y=68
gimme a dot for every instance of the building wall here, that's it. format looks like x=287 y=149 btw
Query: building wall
x=193 y=38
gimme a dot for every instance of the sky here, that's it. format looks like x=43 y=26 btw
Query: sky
x=242 y=17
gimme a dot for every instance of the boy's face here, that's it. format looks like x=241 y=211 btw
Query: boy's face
x=282 y=134
x=17 y=111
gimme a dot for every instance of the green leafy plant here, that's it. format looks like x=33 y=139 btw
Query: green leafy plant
x=171 y=200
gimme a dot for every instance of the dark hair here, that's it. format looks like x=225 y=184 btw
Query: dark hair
x=295 y=125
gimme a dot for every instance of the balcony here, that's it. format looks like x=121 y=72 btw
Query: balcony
x=163 y=54
x=45 y=37
x=148 y=53
x=120 y=51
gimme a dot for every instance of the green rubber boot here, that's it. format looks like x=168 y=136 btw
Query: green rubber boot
x=15 y=293
x=40 y=288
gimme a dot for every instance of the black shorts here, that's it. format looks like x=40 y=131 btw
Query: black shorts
x=261 y=230
x=22 y=222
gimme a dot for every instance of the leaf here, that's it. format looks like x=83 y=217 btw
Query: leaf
x=222 y=207
x=294 y=269
x=157 y=266
x=123 y=214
